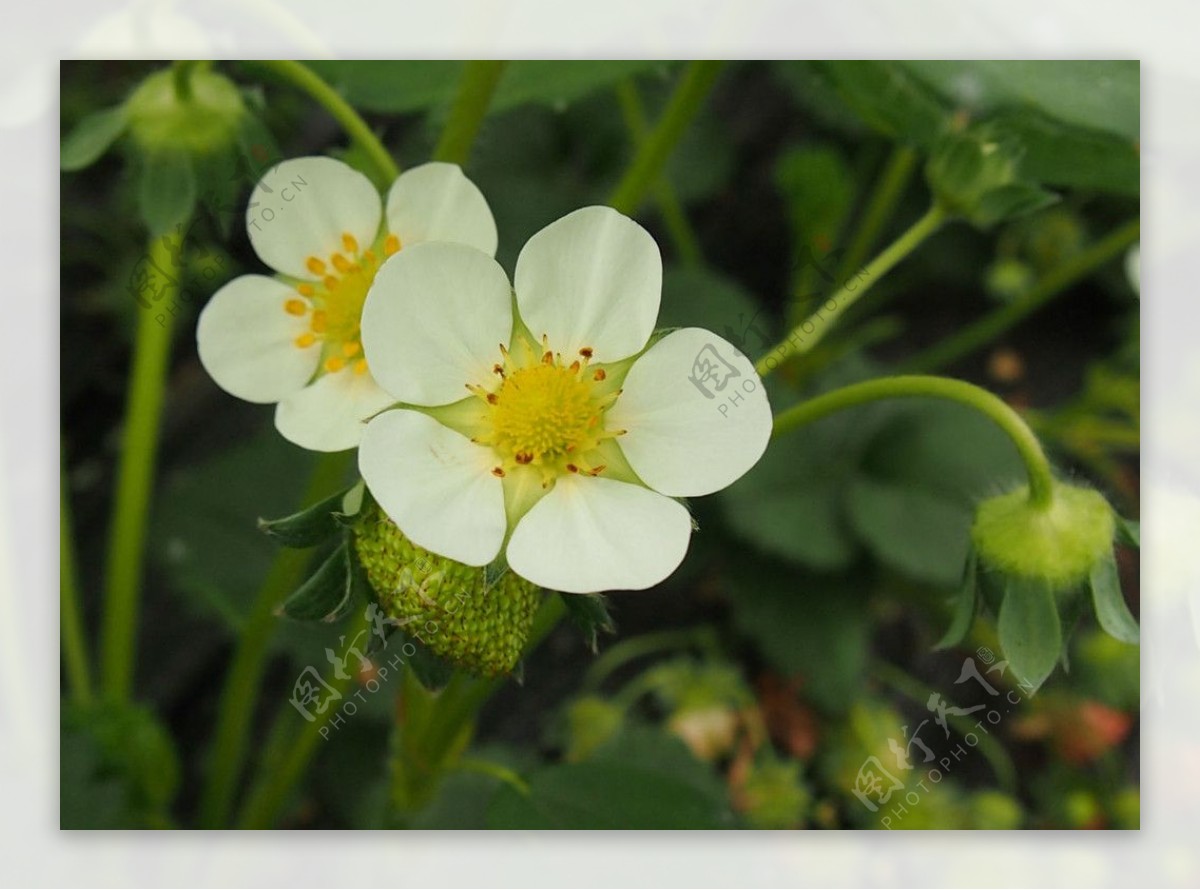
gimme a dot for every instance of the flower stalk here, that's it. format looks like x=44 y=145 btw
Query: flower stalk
x=135 y=473
x=694 y=85
x=475 y=91
x=74 y=642
x=1037 y=466
x=809 y=332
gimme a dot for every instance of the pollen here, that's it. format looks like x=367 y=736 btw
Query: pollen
x=306 y=340
x=295 y=307
x=546 y=413
x=334 y=363
x=391 y=244
x=315 y=266
x=350 y=243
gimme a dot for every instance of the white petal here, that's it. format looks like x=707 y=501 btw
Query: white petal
x=434 y=321
x=594 y=279
x=591 y=534
x=247 y=341
x=330 y=414
x=435 y=484
x=690 y=433
x=436 y=202
x=302 y=207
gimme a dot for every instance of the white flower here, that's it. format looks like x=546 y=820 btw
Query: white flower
x=577 y=430
x=295 y=339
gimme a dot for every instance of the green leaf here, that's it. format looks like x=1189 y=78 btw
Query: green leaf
x=327 y=595
x=1029 y=630
x=1098 y=95
x=167 y=191
x=407 y=86
x=607 y=795
x=701 y=297
x=91 y=138
x=309 y=526
x=922 y=534
x=964 y=606
x=1057 y=154
x=1129 y=532
x=808 y=626
x=1111 y=610
x=889 y=98
x=589 y=612
x=819 y=189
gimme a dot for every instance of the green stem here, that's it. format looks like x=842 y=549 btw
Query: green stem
x=883 y=200
x=496 y=771
x=240 y=694
x=911 y=688
x=689 y=95
x=809 y=332
x=278 y=776
x=74 y=643
x=680 y=231
x=454 y=707
x=991 y=326
x=1037 y=467
x=356 y=128
x=135 y=473
x=475 y=90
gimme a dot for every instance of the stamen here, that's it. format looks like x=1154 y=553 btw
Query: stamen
x=391 y=244
x=319 y=321
x=350 y=348
x=349 y=242
x=315 y=266
x=571 y=468
x=334 y=363
x=369 y=257
x=599 y=375
x=340 y=263
x=305 y=340
x=360 y=366
x=492 y=398
x=305 y=290
x=498 y=472
x=586 y=352
x=330 y=282
x=295 y=307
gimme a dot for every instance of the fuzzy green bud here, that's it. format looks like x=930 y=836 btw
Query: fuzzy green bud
x=471 y=617
x=192 y=110
x=1058 y=544
x=974 y=174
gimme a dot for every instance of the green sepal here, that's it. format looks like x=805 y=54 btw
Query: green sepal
x=309 y=526
x=1129 y=532
x=92 y=137
x=589 y=612
x=167 y=190
x=1029 y=628
x=1012 y=202
x=964 y=606
x=1111 y=611
x=327 y=595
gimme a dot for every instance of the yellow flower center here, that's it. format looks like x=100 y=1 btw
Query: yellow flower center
x=546 y=413
x=333 y=302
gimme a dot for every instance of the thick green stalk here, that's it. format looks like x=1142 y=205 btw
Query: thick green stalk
x=680 y=231
x=475 y=90
x=992 y=325
x=74 y=642
x=809 y=332
x=648 y=162
x=135 y=473
x=342 y=111
x=1037 y=467
x=240 y=694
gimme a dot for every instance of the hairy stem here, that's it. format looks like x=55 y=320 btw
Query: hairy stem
x=1037 y=467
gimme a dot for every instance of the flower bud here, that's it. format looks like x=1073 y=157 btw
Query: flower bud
x=195 y=111
x=1059 y=544
x=974 y=174
x=472 y=617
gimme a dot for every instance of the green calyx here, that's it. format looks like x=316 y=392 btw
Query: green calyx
x=1059 y=543
x=473 y=618
x=194 y=110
